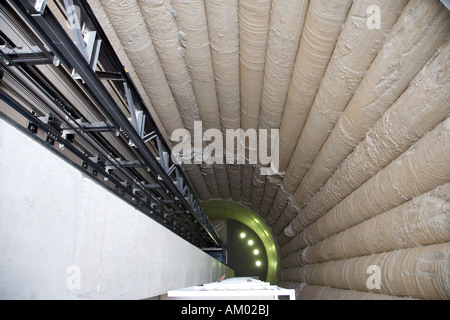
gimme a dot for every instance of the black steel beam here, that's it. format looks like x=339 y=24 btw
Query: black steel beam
x=49 y=28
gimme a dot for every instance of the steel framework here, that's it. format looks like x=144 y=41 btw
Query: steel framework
x=71 y=92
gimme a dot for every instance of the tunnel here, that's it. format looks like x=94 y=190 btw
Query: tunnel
x=350 y=99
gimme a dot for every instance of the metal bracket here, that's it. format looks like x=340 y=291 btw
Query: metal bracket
x=85 y=39
x=137 y=117
x=39 y=6
x=148 y=137
x=110 y=76
x=31 y=55
x=152 y=186
x=124 y=163
x=89 y=126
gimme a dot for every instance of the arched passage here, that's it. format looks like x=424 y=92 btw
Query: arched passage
x=219 y=209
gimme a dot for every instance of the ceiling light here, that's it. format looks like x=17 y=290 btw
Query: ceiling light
x=250 y=242
x=242 y=235
x=258 y=263
x=256 y=251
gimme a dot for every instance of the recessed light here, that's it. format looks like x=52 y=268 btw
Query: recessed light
x=250 y=242
x=242 y=235
x=258 y=263
x=256 y=251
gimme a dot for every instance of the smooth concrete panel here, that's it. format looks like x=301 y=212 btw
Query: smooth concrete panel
x=63 y=236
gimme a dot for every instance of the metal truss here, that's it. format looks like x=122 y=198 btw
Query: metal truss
x=108 y=132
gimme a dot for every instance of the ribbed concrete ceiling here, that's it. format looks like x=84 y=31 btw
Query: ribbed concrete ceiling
x=351 y=85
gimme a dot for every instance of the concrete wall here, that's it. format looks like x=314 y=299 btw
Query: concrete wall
x=63 y=236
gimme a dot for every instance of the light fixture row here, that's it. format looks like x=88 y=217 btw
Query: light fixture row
x=250 y=243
